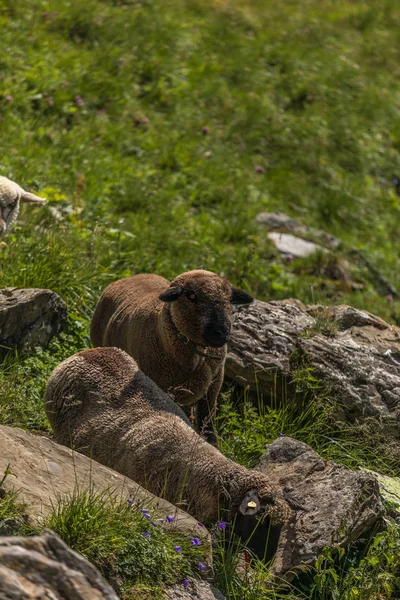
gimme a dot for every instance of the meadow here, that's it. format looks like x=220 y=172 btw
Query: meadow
x=158 y=131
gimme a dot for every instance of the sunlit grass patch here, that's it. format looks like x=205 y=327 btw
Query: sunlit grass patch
x=134 y=547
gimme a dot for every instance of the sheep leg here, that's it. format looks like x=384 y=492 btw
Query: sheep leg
x=3 y=225
x=206 y=411
x=189 y=412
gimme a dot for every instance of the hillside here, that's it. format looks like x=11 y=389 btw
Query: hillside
x=158 y=131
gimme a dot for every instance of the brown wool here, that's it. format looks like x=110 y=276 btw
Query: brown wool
x=101 y=404
x=167 y=338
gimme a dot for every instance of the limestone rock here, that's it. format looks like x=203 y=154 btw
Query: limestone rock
x=282 y=222
x=263 y=337
x=291 y=245
x=353 y=353
x=43 y=472
x=44 y=567
x=29 y=317
x=340 y=504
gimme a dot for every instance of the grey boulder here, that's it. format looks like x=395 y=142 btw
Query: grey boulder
x=32 y=568
x=291 y=245
x=29 y=317
x=282 y=222
x=43 y=473
x=354 y=354
x=339 y=504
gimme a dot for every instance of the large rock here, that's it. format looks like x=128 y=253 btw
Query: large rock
x=33 y=568
x=353 y=353
x=43 y=472
x=340 y=504
x=29 y=317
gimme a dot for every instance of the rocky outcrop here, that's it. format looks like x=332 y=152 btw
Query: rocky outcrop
x=42 y=472
x=29 y=317
x=44 y=567
x=339 y=504
x=353 y=353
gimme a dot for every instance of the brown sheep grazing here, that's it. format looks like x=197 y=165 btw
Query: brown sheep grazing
x=99 y=403
x=176 y=331
x=11 y=195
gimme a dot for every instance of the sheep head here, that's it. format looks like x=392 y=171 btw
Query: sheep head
x=11 y=195
x=201 y=306
x=259 y=514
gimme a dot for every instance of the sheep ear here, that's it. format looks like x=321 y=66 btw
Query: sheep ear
x=171 y=294
x=240 y=297
x=250 y=504
x=28 y=197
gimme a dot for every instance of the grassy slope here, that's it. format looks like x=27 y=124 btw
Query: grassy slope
x=102 y=109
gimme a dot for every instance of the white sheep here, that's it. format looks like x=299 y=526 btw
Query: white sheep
x=11 y=195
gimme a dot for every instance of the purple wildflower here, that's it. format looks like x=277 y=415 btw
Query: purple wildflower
x=185 y=583
x=195 y=541
x=200 y=524
x=161 y=520
x=222 y=524
x=205 y=130
x=130 y=500
x=202 y=567
x=259 y=169
x=170 y=519
x=154 y=524
x=146 y=534
x=79 y=100
x=281 y=435
x=395 y=180
x=289 y=258
x=145 y=513
x=177 y=549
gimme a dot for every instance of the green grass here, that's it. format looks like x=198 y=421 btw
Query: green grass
x=14 y=510
x=311 y=414
x=138 y=185
x=133 y=549
x=103 y=106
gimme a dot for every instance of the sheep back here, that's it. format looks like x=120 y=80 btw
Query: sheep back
x=100 y=403
x=126 y=313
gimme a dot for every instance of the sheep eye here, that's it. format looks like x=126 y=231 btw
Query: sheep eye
x=191 y=296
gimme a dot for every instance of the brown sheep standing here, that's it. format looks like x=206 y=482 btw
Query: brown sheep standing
x=11 y=195
x=176 y=331
x=99 y=402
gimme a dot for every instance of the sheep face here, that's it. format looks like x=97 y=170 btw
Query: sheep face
x=201 y=306
x=259 y=521
x=9 y=215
